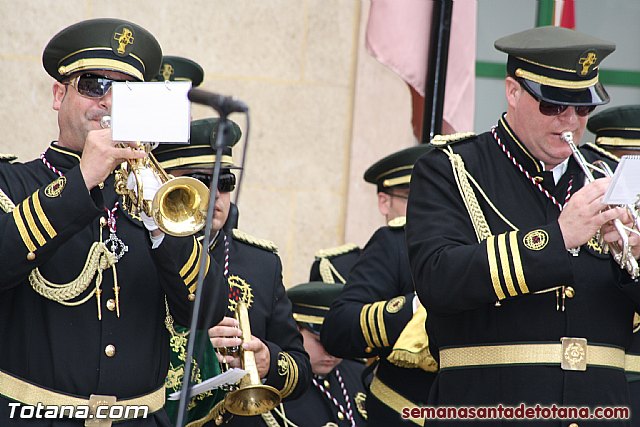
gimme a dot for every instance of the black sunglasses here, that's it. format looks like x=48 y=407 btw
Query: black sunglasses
x=92 y=85
x=226 y=183
x=551 y=109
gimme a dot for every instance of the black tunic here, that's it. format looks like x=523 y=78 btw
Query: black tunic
x=460 y=280
x=380 y=287
x=315 y=408
x=62 y=348
x=255 y=276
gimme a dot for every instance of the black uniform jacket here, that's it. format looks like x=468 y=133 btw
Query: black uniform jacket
x=460 y=281
x=316 y=409
x=255 y=276
x=369 y=315
x=65 y=348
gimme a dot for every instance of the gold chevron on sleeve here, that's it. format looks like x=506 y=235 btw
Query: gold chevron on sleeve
x=42 y=216
x=32 y=224
x=504 y=262
x=382 y=329
x=517 y=262
x=207 y=259
x=192 y=257
x=493 y=267
x=194 y=265
x=371 y=319
x=17 y=218
x=364 y=325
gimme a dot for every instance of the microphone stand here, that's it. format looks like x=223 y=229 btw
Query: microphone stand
x=218 y=145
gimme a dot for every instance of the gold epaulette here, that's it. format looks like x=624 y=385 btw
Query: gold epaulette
x=7 y=157
x=338 y=250
x=602 y=151
x=398 y=222
x=254 y=241
x=443 y=140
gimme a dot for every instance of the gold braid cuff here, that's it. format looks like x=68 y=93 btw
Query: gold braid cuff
x=98 y=259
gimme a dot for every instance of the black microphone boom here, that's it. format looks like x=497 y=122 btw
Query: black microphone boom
x=224 y=105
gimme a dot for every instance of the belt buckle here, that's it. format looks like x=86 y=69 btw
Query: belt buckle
x=574 y=354
x=96 y=400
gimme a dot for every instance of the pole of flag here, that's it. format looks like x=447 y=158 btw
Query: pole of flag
x=437 y=69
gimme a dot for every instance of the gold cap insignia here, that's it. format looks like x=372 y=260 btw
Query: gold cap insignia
x=395 y=304
x=536 y=240
x=122 y=41
x=55 y=188
x=167 y=71
x=586 y=61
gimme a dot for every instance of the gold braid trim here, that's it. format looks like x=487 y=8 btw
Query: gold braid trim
x=328 y=272
x=280 y=412
x=5 y=202
x=600 y=150
x=478 y=220
x=98 y=259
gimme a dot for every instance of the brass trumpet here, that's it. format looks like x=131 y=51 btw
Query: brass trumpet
x=250 y=397
x=179 y=207
x=621 y=253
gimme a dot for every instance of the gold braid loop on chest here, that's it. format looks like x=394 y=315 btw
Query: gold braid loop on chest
x=99 y=259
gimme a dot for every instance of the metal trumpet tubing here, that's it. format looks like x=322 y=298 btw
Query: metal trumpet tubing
x=622 y=254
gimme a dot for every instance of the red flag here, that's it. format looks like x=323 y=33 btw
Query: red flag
x=398 y=36
x=565 y=14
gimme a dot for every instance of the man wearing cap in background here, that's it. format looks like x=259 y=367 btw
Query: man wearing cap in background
x=501 y=226
x=205 y=364
x=84 y=286
x=178 y=68
x=336 y=396
x=617 y=132
x=254 y=275
x=377 y=313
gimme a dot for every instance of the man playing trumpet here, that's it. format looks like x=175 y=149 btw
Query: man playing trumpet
x=525 y=307
x=85 y=287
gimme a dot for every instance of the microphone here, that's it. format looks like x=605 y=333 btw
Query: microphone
x=224 y=105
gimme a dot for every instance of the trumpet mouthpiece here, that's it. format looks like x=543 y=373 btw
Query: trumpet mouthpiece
x=567 y=136
x=105 y=122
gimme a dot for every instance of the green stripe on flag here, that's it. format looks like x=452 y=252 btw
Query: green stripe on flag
x=544 y=13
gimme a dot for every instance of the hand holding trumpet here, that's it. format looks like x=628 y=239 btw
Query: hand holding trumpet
x=101 y=155
x=226 y=335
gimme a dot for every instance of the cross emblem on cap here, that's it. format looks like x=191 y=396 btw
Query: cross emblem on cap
x=124 y=38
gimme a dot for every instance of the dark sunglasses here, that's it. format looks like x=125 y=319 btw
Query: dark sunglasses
x=92 y=85
x=226 y=183
x=551 y=109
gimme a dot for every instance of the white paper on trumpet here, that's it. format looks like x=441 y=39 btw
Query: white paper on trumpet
x=151 y=111
x=625 y=185
x=232 y=376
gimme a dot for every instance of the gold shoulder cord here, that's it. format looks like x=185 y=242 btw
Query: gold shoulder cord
x=464 y=180
x=98 y=259
x=5 y=202
x=326 y=270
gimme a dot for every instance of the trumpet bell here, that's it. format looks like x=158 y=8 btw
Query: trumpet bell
x=180 y=206
x=252 y=400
